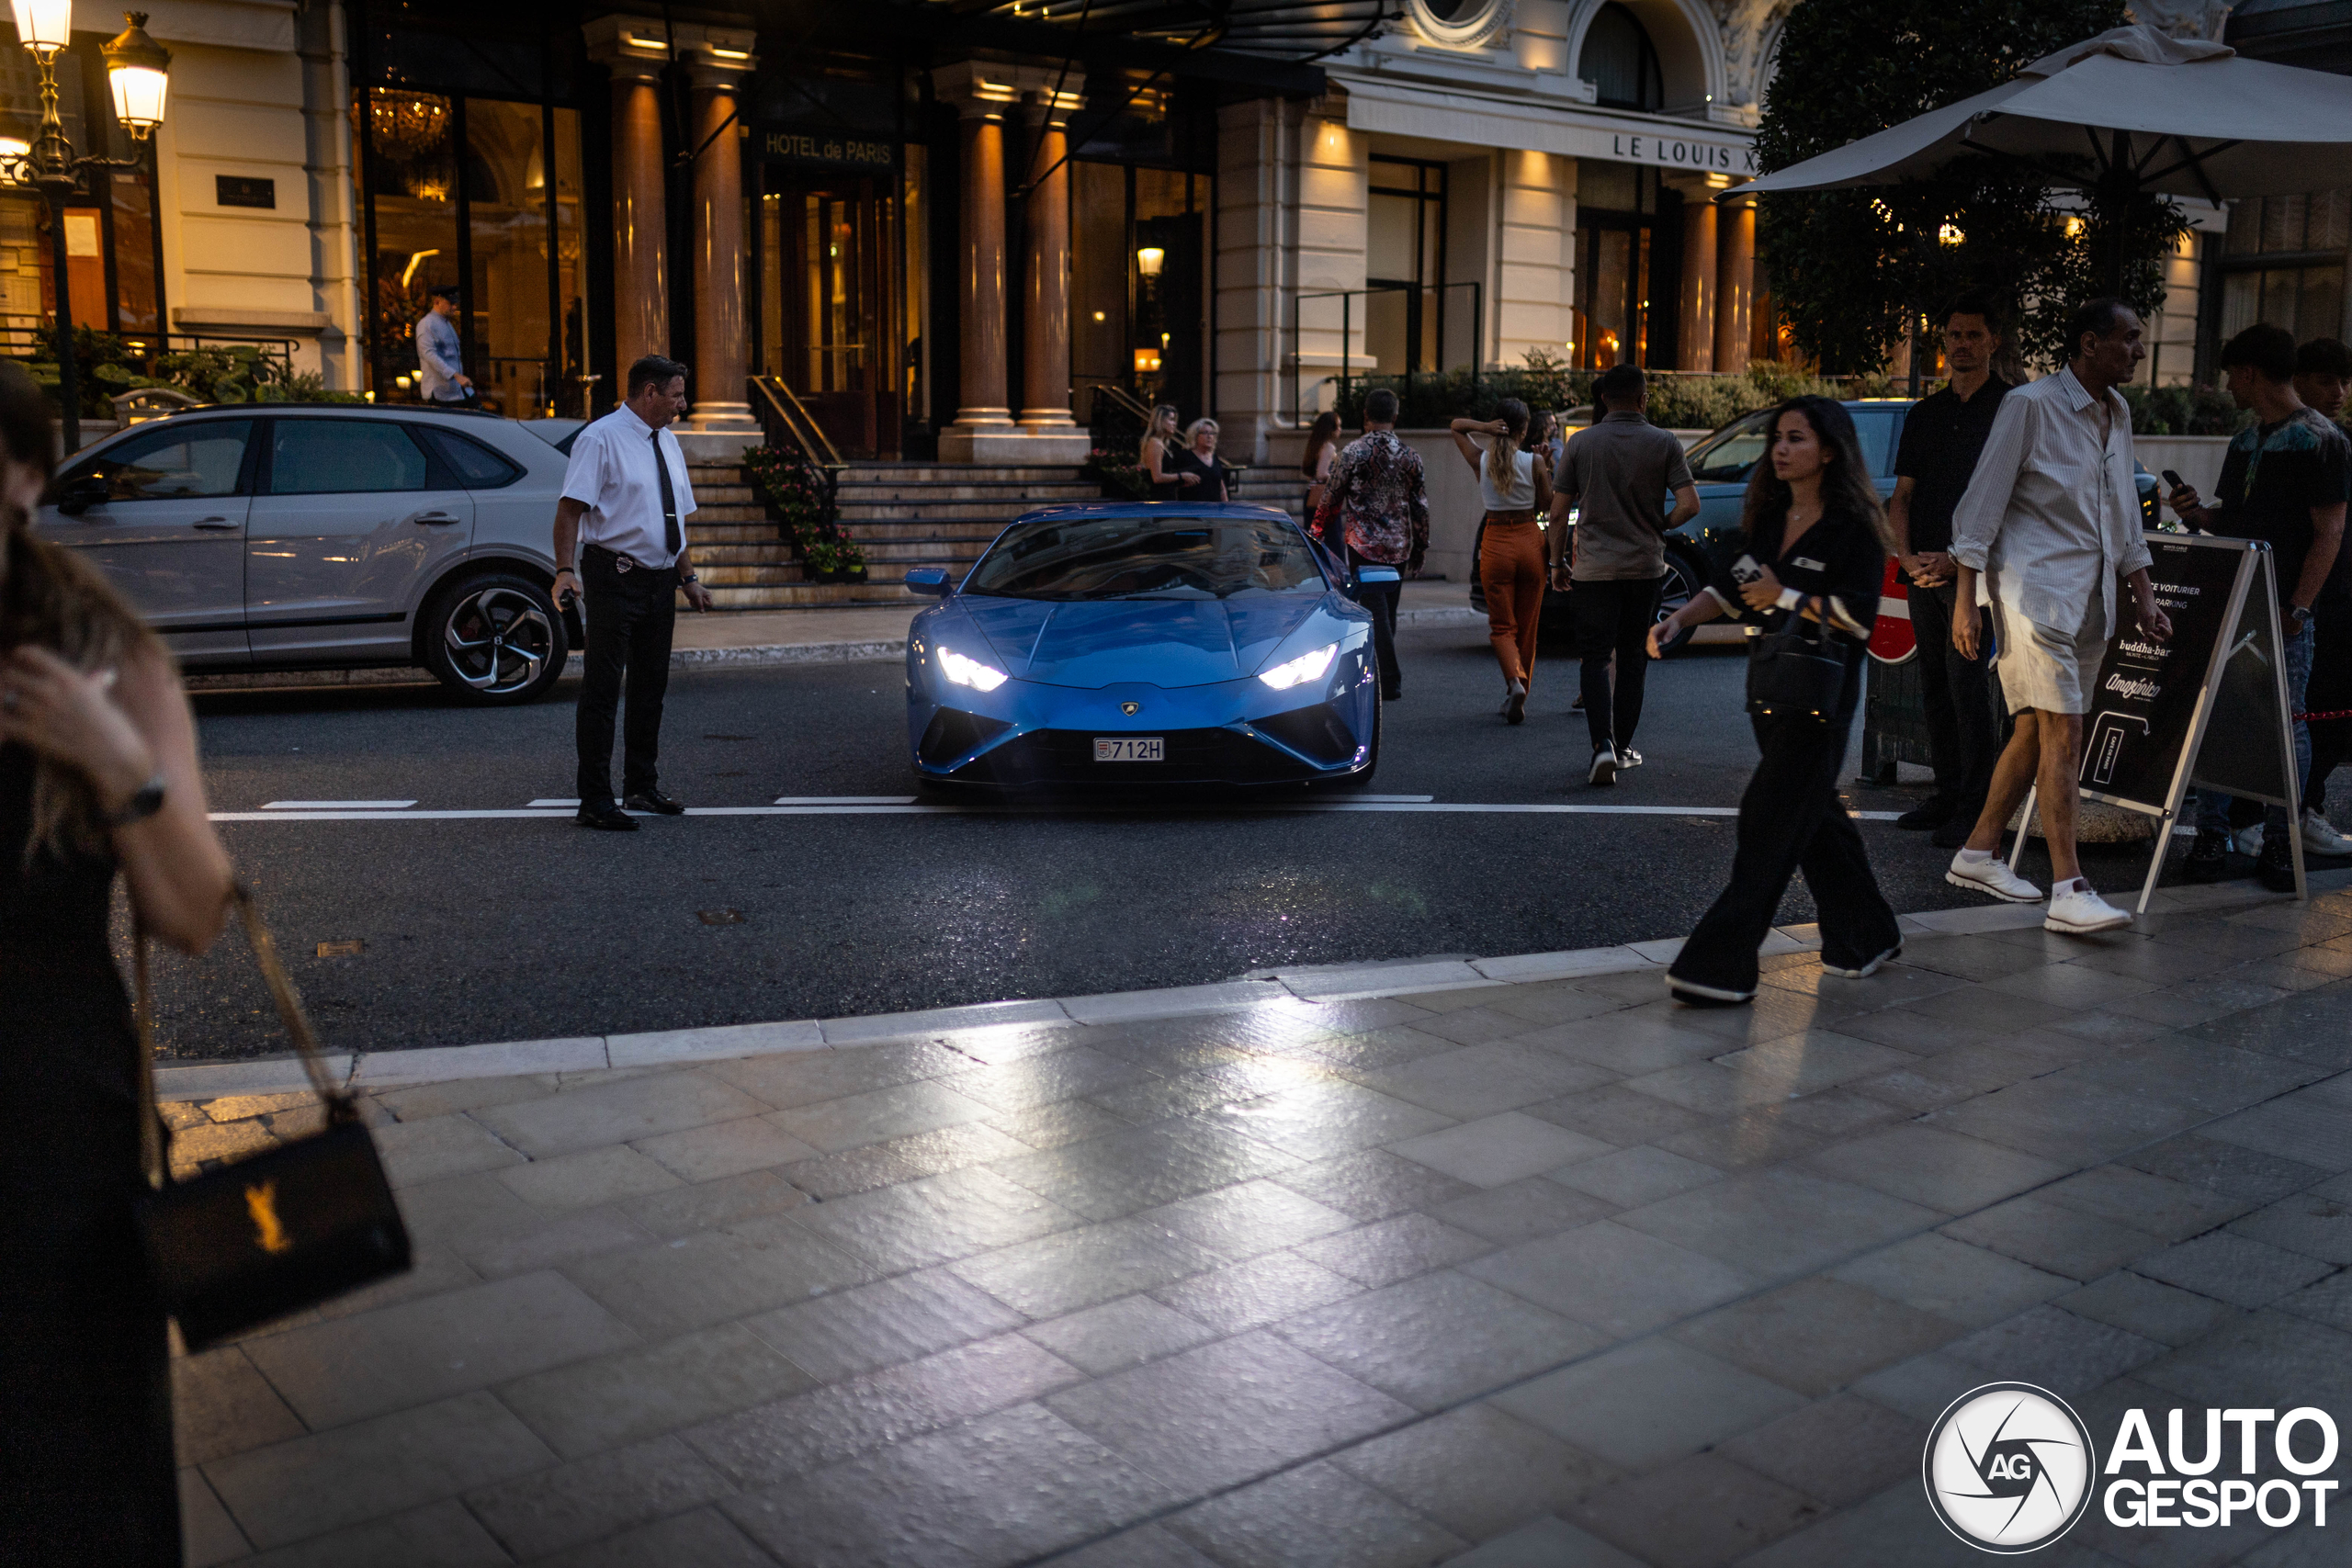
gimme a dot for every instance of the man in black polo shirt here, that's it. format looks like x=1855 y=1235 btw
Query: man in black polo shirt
x=1941 y=441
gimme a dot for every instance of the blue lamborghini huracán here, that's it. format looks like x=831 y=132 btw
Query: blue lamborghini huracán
x=1143 y=643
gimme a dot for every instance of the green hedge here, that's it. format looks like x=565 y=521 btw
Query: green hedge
x=2184 y=411
x=106 y=366
x=1431 y=399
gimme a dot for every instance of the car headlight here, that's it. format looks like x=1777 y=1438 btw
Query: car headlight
x=1298 y=671
x=969 y=672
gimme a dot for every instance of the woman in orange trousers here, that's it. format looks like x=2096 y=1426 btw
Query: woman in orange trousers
x=1517 y=491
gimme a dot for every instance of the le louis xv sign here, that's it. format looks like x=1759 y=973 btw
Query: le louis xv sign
x=1674 y=152
x=822 y=149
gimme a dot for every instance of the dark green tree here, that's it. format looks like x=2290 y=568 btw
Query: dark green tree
x=1855 y=272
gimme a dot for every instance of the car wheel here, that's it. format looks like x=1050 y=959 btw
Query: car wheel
x=495 y=639
x=1372 y=765
x=1684 y=578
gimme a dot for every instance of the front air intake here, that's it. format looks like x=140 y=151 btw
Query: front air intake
x=954 y=733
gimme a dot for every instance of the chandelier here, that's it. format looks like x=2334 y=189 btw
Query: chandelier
x=407 y=123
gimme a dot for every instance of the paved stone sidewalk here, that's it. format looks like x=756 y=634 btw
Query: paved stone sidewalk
x=1550 y=1274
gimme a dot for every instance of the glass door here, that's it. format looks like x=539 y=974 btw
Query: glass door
x=829 y=302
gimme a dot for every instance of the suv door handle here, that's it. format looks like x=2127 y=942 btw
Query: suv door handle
x=214 y=525
x=436 y=517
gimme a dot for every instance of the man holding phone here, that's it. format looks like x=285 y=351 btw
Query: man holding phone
x=626 y=499
x=2283 y=483
x=1942 y=437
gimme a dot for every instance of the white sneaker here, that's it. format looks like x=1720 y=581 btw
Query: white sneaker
x=2247 y=841
x=1992 y=877
x=1604 y=768
x=1629 y=758
x=2320 y=837
x=2076 y=909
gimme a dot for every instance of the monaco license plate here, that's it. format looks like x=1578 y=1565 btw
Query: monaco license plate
x=1131 y=749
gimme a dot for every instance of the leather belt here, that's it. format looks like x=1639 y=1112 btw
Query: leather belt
x=619 y=562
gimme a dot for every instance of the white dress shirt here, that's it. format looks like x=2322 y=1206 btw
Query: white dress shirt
x=612 y=474
x=2051 y=517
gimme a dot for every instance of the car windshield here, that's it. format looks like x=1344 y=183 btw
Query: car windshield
x=1147 y=558
x=1725 y=456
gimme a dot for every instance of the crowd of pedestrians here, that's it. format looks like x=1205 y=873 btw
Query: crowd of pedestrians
x=2015 y=519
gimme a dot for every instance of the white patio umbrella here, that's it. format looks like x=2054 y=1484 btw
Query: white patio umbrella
x=2130 y=110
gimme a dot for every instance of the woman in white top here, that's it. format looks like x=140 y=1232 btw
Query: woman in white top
x=1517 y=491
x=1161 y=442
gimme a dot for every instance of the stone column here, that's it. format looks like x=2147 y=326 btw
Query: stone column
x=1045 y=360
x=1734 y=284
x=1696 y=336
x=632 y=50
x=717 y=60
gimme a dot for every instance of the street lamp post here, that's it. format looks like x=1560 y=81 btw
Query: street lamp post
x=138 y=71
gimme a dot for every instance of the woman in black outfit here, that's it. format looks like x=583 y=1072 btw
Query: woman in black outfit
x=97 y=773
x=1819 y=537
x=1196 y=466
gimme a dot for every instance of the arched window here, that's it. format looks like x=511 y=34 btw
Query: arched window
x=1619 y=61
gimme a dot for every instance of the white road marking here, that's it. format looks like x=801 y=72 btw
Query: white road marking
x=337 y=805
x=367 y=811
x=567 y=804
x=844 y=800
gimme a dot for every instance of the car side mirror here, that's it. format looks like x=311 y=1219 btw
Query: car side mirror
x=929 y=579
x=77 y=496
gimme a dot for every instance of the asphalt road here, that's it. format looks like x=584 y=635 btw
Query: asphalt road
x=503 y=929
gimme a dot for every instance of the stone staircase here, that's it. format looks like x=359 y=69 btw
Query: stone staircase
x=901 y=515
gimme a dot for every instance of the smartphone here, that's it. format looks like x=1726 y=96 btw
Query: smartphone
x=2175 y=480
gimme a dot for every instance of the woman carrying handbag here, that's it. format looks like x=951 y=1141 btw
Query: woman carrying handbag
x=98 y=775
x=1817 y=540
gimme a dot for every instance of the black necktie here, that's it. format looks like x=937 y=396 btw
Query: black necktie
x=671 y=536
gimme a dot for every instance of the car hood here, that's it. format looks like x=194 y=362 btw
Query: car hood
x=1164 y=642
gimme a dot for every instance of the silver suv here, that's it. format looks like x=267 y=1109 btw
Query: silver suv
x=302 y=537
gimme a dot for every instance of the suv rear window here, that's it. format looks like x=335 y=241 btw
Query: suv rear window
x=476 y=466
x=338 y=456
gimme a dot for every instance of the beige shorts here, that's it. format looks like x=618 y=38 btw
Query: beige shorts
x=2044 y=667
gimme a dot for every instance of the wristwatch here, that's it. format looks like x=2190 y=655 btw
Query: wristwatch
x=141 y=805
x=2298 y=616
x=691 y=577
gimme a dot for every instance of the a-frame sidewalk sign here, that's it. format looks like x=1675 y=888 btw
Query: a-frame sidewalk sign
x=2207 y=709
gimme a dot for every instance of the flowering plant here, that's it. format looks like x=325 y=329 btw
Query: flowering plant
x=802 y=495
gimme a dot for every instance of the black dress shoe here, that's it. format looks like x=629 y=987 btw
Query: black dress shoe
x=1933 y=813
x=653 y=800
x=605 y=816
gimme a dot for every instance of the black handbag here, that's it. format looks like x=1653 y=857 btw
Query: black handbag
x=291 y=1227
x=1792 y=674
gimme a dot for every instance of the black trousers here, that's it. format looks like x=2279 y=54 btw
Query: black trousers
x=630 y=617
x=1380 y=598
x=2329 y=689
x=1792 y=819
x=1963 y=736
x=1613 y=620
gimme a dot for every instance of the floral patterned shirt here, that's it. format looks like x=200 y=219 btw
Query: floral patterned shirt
x=1376 y=502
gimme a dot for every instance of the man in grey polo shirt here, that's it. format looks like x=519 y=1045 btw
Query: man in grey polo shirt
x=1615 y=475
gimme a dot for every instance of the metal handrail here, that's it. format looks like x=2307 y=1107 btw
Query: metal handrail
x=1346 y=298
x=798 y=423
x=1126 y=401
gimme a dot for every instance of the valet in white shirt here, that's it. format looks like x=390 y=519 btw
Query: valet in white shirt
x=623 y=517
x=612 y=475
